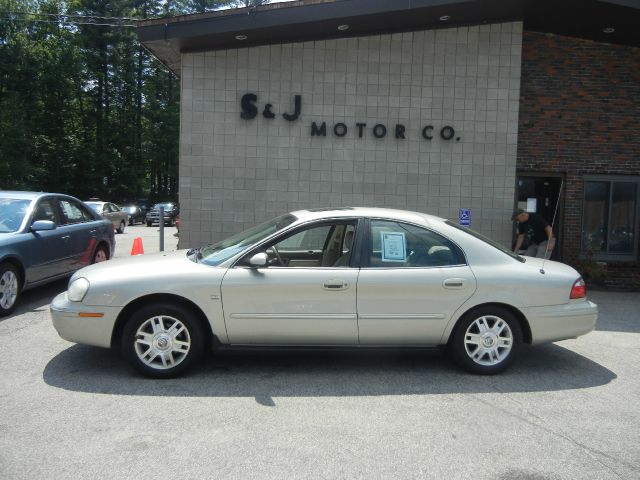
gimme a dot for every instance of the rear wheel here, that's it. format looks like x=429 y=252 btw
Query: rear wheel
x=163 y=340
x=9 y=288
x=149 y=223
x=121 y=227
x=486 y=340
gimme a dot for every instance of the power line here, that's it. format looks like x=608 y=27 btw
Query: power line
x=70 y=19
x=57 y=15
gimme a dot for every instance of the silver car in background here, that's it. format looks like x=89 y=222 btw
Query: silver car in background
x=346 y=277
x=112 y=212
x=45 y=237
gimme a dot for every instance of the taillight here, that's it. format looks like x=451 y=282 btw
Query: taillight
x=579 y=289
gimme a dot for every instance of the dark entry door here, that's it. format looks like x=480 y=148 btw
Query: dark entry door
x=542 y=195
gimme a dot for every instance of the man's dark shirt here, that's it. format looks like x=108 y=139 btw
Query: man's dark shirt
x=534 y=227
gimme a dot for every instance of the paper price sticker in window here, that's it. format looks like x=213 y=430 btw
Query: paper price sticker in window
x=393 y=247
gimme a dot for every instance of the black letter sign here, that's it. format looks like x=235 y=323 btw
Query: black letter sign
x=322 y=130
x=249 y=110
x=267 y=113
x=447 y=133
x=426 y=131
x=399 y=130
x=379 y=131
x=360 y=127
x=340 y=129
x=296 y=113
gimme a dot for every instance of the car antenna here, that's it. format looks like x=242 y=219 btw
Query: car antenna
x=552 y=224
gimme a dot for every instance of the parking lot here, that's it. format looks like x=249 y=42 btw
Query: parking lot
x=566 y=411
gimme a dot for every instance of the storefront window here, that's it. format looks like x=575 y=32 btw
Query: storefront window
x=610 y=223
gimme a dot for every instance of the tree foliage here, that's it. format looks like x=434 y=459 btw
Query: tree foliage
x=84 y=109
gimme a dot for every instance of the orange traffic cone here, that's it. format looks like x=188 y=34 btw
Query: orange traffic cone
x=137 y=246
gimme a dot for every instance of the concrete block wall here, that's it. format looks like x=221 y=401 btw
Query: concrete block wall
x=237 y=172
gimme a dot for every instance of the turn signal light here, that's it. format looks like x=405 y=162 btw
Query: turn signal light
x=579 y=289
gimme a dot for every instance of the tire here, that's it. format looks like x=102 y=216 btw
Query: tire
x=150 y=347
x=486 y=340
x=100 y=255
x=149 y=223
x=9 y=288
x=121 y=227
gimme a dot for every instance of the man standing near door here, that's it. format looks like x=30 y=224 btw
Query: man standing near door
x=539 y=230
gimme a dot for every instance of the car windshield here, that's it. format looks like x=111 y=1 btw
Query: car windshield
x=12 y=211
x=166 y=206
x=97 y=206
x=219 y=252
x=493 y=243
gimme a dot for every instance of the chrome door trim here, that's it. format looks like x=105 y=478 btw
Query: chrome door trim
x=303 y=316
x=413 y=316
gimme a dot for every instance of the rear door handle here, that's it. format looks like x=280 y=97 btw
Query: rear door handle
x=335 y=285
x=453 y=283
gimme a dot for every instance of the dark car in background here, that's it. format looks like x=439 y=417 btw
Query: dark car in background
x=45 y=237
x=171 y=211
x=136 y=214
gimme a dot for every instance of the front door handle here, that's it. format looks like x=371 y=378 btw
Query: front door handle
x=335 y=285
x=453 y=283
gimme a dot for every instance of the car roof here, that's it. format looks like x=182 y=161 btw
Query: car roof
x=29 y=195
x=390 y=213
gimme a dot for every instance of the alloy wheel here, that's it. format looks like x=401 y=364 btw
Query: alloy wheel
x=488 y=340
x=162 y=342
x=8 y=289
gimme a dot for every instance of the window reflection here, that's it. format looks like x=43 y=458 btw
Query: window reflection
x=596 y=207
x=623 y=208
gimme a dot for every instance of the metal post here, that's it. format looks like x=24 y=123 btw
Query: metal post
x=161 y=224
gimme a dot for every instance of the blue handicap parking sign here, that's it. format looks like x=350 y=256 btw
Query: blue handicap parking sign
x=465 y=217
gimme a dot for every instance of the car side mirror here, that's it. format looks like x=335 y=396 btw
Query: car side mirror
x=42 y=225
x=259 y=260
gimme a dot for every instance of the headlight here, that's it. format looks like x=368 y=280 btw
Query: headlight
x=78 y=289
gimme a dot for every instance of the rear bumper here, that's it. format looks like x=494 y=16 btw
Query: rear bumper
x=560 y=322
x=67 y=321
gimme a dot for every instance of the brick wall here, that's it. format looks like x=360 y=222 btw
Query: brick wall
x=580 y=114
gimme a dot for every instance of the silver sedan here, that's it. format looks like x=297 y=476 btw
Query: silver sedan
x=350 y=277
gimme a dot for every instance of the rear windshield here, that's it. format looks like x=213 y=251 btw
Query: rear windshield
x=487 y=240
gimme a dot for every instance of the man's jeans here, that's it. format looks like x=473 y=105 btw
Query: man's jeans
x=540 y=249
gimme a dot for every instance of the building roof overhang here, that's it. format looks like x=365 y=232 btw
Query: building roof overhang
x=304 y=20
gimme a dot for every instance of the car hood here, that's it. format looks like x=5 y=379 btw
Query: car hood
x=117 y=282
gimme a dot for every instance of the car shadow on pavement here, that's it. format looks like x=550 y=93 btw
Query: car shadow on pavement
x=269 y=375
x=37 y=298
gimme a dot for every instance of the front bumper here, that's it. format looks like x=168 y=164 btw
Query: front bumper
x=560 y=322
x=87 y=330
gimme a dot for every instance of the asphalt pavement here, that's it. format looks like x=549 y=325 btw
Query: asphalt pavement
x=567 y=410
x=150 y=237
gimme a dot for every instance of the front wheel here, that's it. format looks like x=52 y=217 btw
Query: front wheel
x=149 y=223
x=121 y=227
x=163 y=340
x=9 y=288
x=101 y=254
x=486 y=340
